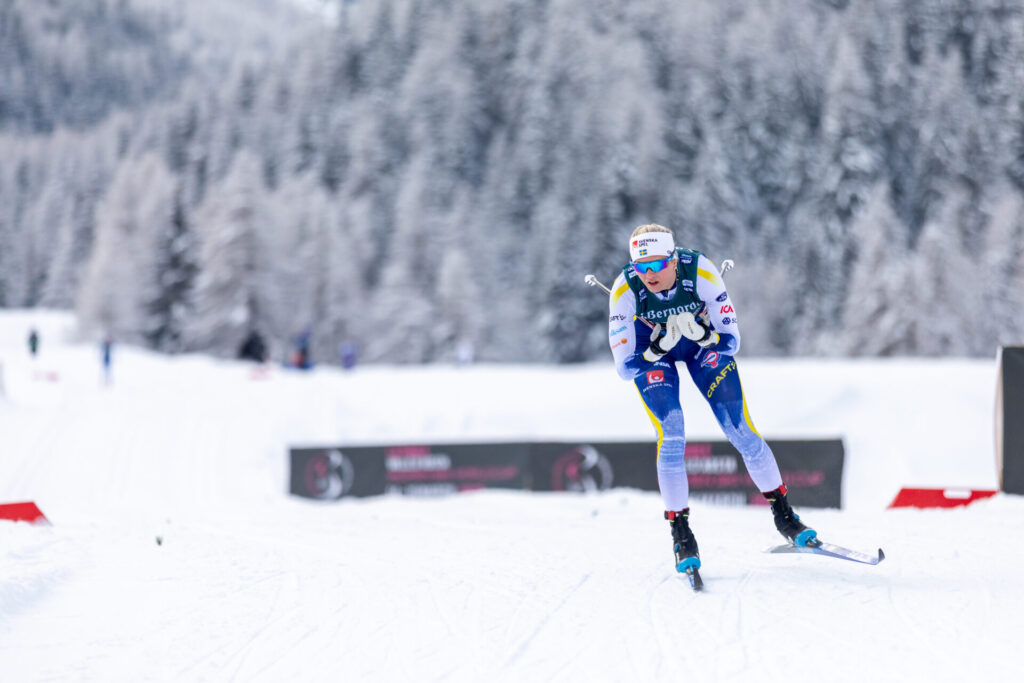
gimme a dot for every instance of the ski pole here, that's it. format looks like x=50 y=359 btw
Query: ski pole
x=594 y=282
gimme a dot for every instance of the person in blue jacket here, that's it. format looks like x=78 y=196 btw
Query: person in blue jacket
x=680 y=293
x=106 y=356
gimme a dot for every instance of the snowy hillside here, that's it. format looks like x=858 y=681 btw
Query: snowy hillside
x=251 y=584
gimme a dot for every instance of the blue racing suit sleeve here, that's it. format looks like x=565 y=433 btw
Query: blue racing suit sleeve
x=627 y=336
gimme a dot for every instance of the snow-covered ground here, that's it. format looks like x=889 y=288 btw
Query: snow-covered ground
x=252 y=584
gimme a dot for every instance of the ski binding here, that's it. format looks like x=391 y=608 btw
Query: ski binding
x=691 y=568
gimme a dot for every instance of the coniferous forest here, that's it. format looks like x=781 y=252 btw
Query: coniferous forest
x=415 y=174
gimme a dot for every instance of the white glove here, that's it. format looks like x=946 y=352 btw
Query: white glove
x=660 y=345
x=694 y=329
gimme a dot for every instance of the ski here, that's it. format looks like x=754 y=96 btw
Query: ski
x=830 y=550
x=693 y=574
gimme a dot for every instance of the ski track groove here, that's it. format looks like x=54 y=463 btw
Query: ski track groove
x=521 y=648
x=440 y=608
x=678 y=588
x=241 y=653
x=735 y=600
x=928 y=640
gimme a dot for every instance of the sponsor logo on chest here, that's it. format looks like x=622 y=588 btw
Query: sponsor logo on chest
x=663 y=314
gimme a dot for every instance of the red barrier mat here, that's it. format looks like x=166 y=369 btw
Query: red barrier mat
x=938 y=498
x=22 y=512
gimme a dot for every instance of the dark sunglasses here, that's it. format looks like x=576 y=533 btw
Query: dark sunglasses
x=653 y=266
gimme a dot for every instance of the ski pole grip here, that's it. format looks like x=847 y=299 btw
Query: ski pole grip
x=594 y=282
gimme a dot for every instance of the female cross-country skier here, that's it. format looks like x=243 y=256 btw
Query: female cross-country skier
x=681 y=292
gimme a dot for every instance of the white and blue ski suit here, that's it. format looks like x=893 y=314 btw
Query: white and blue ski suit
x=700 y=290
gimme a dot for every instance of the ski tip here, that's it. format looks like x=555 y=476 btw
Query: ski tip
x=881 y=555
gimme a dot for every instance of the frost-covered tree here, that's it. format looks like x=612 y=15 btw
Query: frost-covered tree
x=122 y=279
x=879 y=299
x=229 y=297
x=1001 y=271
x=174 y=271
x=944 y=312
x=317 y=287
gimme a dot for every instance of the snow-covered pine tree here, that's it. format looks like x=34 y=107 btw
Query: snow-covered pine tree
x=122 y=280
x=1001 y=271
x=228 y=298
x=879 y=300
x=174 y=271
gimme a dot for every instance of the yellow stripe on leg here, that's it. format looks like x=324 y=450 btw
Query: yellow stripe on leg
x=746 y=413
x=655 y=421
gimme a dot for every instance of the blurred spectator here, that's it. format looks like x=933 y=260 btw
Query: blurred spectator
x=253 y=348
x=348 y=354
x=300 y=356
x=106 y=352
x=33 y=342
x=464 y=352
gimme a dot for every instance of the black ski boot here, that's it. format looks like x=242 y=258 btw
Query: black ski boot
x=788 y=522
x=683 y=543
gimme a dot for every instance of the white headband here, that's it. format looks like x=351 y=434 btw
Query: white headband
x=651 y=244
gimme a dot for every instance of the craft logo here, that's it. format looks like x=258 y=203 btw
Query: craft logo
x=329 y=475
x=655 y=376
x=710 y=359
x=720 y=378
x=583 y=468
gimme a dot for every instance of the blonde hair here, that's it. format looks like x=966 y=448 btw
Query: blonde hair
x=650 y=227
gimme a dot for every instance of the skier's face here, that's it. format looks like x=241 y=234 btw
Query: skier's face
x=658 y=281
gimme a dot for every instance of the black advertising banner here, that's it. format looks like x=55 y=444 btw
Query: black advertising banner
x=433 y=470
x=329 y=473
x=1010 y=419
x=593 y=466
x=812 y=470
